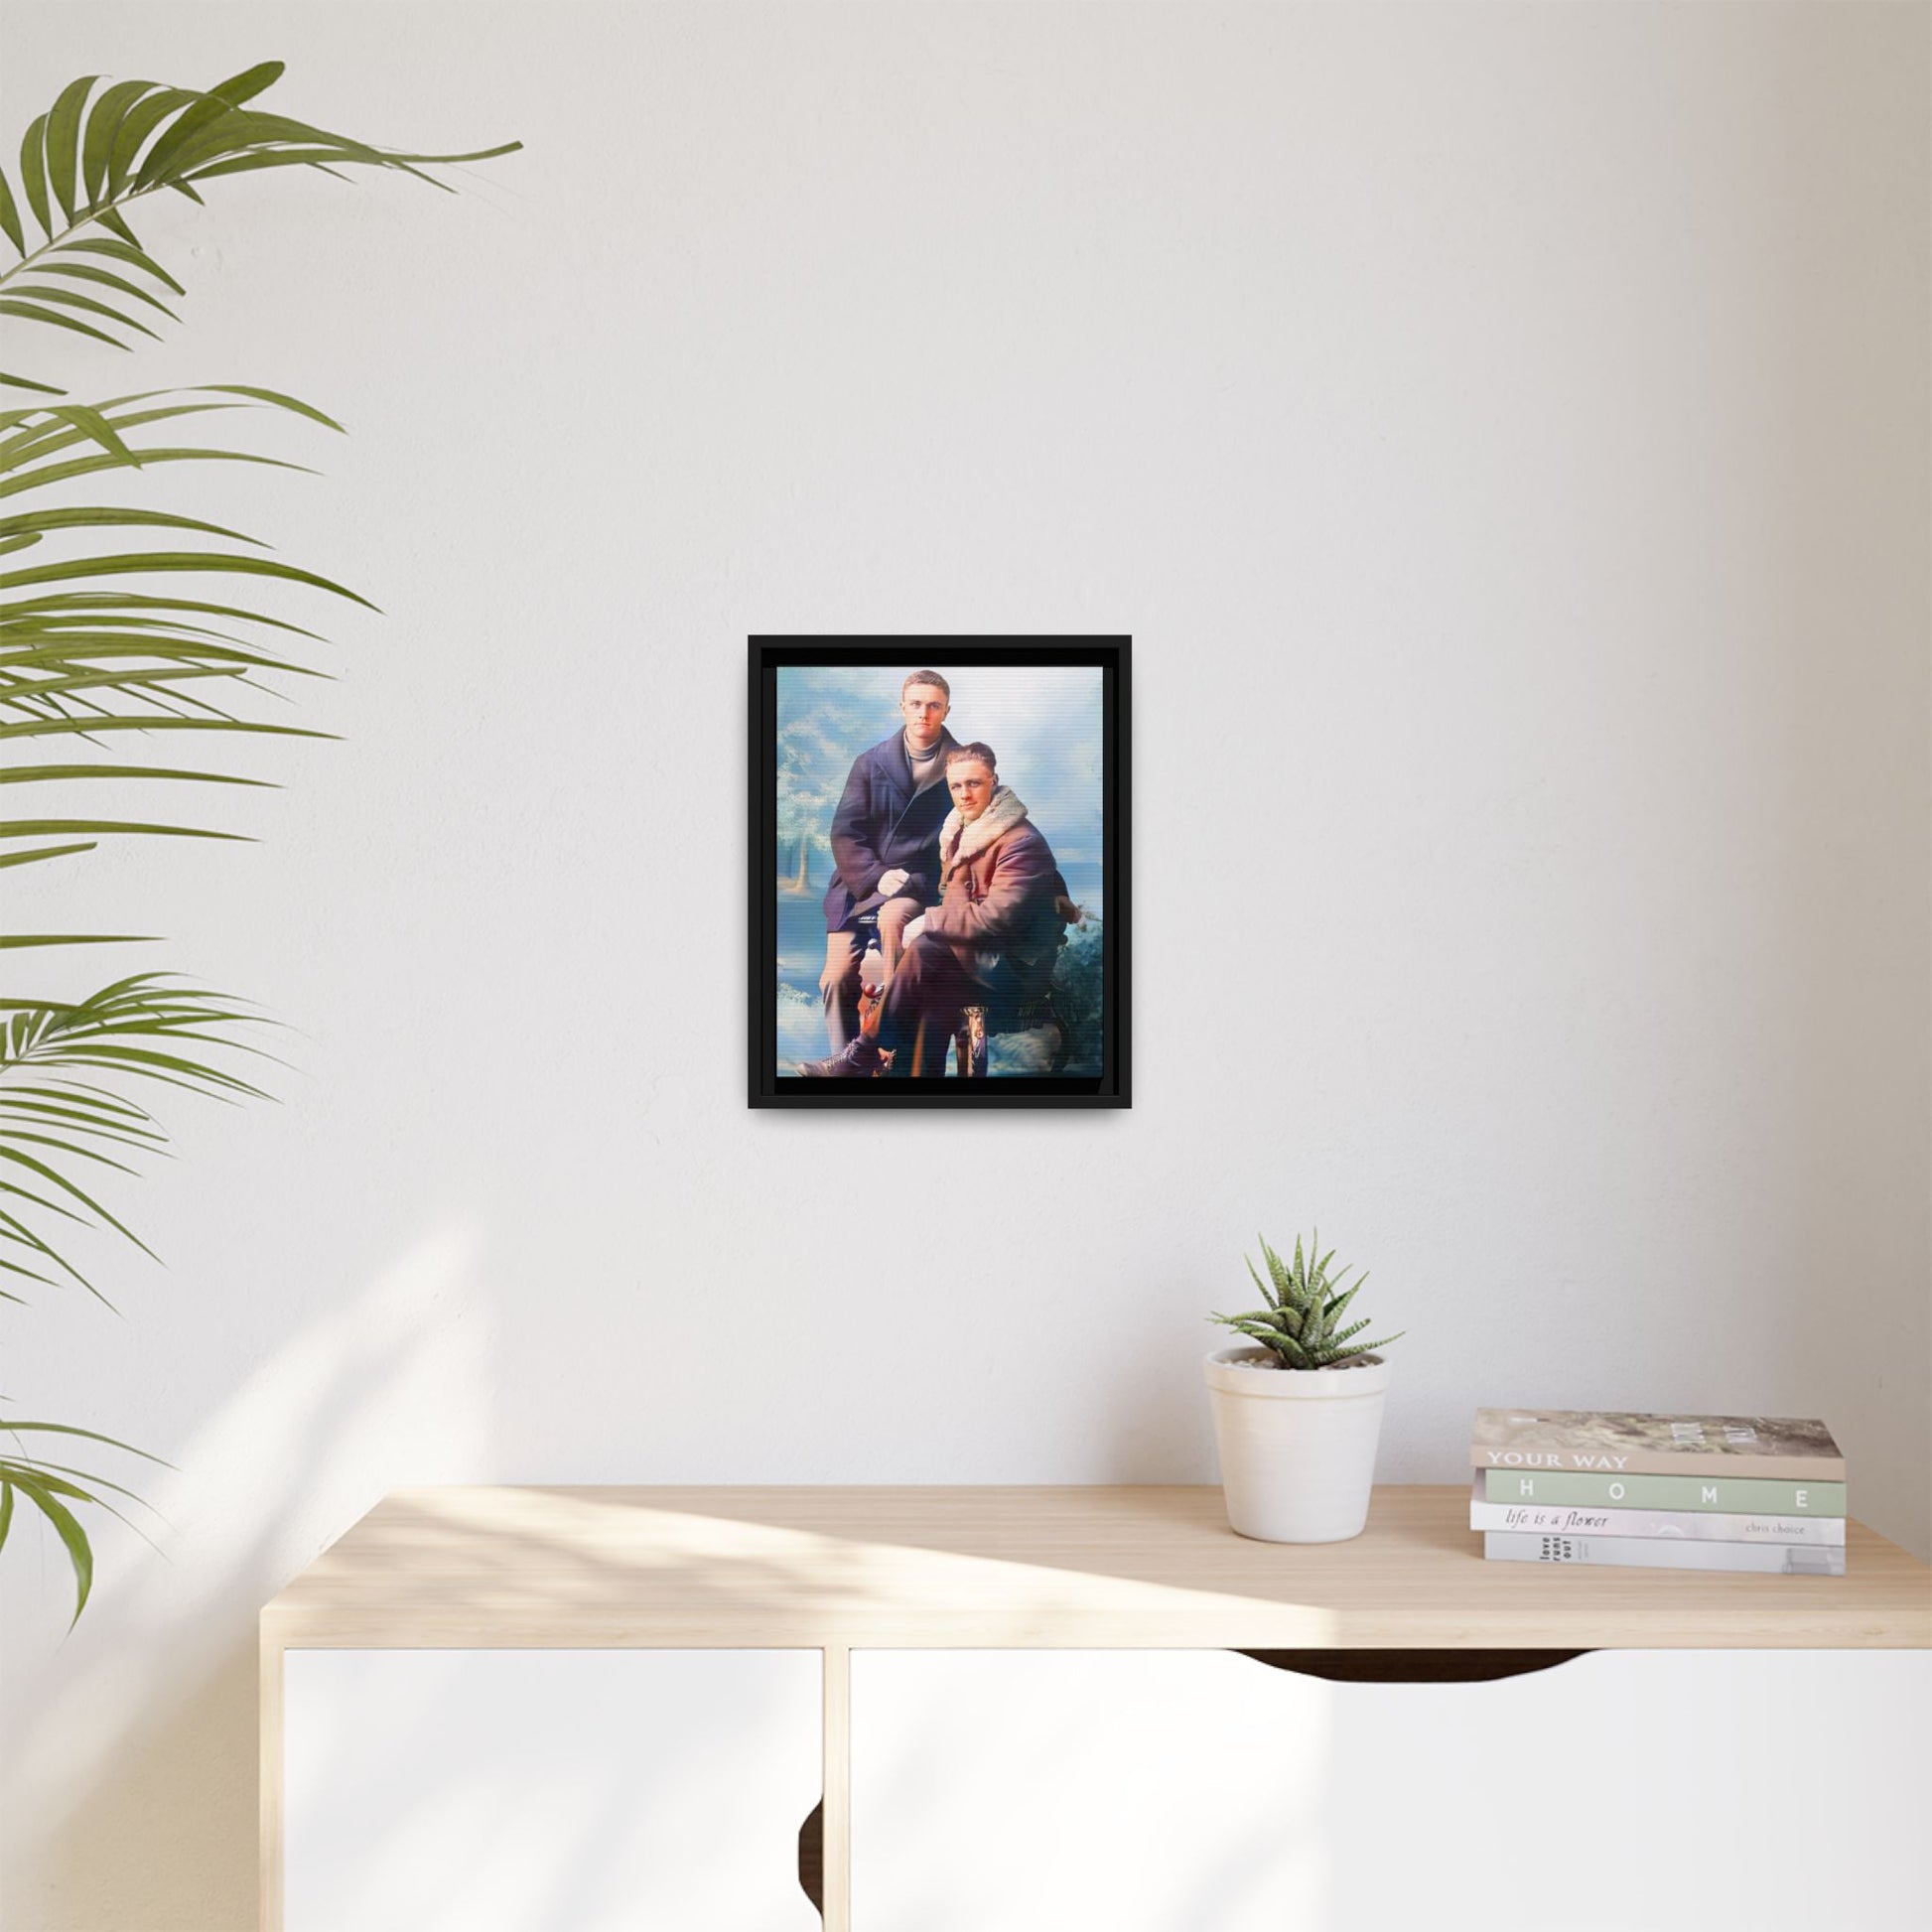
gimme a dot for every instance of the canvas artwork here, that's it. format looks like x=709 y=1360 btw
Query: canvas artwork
x=938 y=872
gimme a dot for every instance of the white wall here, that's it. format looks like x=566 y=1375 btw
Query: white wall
x=1502 y=430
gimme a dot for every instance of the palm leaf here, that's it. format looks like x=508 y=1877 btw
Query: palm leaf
x=107 y=278
x=55 y=1487
x=122 y=252
x=79 y=520
x=103 y=121
x=31 y=312
x=82 y=657
x=81 y=166
x=143 y=1027
x=149 y=563
x=39 y=1489
x=9 y=216
x=32 y=174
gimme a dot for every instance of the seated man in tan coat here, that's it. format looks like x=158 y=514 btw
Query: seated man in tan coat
x=992 y=939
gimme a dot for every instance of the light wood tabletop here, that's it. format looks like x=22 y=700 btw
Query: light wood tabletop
x=1046 y=1566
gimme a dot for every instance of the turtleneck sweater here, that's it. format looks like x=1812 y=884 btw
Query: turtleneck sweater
x=929 y=767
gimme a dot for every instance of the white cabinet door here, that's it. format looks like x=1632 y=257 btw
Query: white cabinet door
x=539 y=1790
x=1201 y=1791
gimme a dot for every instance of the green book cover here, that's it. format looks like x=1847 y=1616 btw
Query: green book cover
x=1756 y=1495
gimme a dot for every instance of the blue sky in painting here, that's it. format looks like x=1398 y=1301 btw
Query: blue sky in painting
x=1042 y=723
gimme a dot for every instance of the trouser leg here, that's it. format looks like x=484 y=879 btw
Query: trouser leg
x=838 y=988
x=922 y=1010
x=893 y=917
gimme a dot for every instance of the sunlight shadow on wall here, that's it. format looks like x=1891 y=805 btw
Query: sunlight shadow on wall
x=149 y=1709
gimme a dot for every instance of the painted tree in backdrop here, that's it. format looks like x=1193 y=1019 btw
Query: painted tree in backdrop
x=132 y=646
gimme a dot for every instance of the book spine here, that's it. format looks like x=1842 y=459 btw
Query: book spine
x=1642 y=1553
x=1659 y=1463
x=1691 y=1525
x=1735 y=1495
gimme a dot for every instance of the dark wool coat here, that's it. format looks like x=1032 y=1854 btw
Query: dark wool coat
x=999 y=895
x=879 y=824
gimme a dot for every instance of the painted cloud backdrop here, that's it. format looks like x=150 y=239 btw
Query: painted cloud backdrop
x=1043 y=724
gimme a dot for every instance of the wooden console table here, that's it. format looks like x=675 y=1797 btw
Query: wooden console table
x=836 y=1571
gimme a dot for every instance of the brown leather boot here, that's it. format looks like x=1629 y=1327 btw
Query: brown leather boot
x=861 y=1060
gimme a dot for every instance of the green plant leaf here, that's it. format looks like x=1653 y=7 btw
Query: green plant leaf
x=137 y=124
x=104 y=119
x=82 y=658
x=35 y=1464
x=73 y=1189
x=24 y=941
x=41 y=854
x=9 y=1426
x=19 y=828
x=108 y=279
x=36 y=292
x=80 y=1550
x=247 y=85
x=89 y=465
x=77 y=519
x=32 y=1138
x=33 y=311
x=32 y=174
x=275 y=398
x=66 y=774
x=88 y=726
x=10 y=216
x=122 y=252
x=63 y=142
x=1283 y=1281
x=204 y=112
x=1268 y=1294
x=200 y=561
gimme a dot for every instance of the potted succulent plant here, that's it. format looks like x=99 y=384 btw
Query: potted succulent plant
x=1297 y=1416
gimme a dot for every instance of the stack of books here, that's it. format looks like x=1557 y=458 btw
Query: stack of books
x=1662 y=1492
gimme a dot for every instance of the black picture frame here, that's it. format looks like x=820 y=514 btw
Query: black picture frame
x=771 y=1086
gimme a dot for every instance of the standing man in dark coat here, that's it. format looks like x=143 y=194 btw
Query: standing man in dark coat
x=885 y=846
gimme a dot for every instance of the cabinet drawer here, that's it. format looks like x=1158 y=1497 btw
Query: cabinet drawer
x=1201 y=1791
x=531 y=1790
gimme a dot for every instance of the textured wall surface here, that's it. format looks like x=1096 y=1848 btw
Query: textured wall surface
x=1502 y=430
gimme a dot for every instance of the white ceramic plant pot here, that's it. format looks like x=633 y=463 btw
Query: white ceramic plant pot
x=1298 y=1446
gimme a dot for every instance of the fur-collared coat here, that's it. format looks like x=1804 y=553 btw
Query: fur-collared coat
x=998 y=883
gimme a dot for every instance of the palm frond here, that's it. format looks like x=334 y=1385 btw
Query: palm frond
x=144 y=1028
x=92 y=155
x=97 y=644
x=54 y=1487
x=83 y=655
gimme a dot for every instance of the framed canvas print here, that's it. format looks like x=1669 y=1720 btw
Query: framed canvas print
x=938 y=872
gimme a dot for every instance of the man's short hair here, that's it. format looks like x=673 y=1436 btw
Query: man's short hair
x=927 y=677
x=973 y=754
